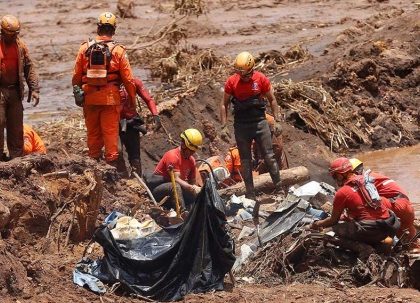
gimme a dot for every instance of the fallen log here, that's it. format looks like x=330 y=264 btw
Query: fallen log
x=263 y=182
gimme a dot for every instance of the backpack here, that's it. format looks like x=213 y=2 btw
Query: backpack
x=99 y=54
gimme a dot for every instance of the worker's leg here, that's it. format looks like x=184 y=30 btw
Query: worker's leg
x=367 y=231
x=244 y=134
x=109 y=122
x=165 y=189
x=132 y=146
x=93 y=127
x=265 y=145
x=2 y=121
x=404 y=210
x=14 y=123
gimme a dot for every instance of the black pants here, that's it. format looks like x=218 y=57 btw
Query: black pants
x=161 y=188
x=245 y=133
x=131 y=141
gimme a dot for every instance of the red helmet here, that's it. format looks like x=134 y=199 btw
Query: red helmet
x=340 y=166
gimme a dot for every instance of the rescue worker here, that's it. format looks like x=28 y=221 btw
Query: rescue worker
x=182 y=162
x=233 y=164
x=101 y=66
x=16 y=67
x=132 y=122
x=33 y=143
x=249 y=90
x=397 y=199
x=279 y=154
x=369 y=223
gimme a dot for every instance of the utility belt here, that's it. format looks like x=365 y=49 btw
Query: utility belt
x=399 y=196
x=249 y=110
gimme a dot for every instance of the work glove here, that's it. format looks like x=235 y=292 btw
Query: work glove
x=278 y=130
x=196 y=189
x=158 y=123
x=224 y=133
x=35 y=98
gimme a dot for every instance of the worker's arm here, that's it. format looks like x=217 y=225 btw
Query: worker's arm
x=127 y=76
x=144 y=94
x=78 y=68
x=30 y=74
x=184 y=184
x=224 y=107
x=338 y=209
x=273 y=104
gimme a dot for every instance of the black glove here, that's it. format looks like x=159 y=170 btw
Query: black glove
x=158 y=123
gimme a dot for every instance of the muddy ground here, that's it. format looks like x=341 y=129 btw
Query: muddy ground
x=364 y=54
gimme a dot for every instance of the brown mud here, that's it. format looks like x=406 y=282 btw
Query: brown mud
x=364 y=55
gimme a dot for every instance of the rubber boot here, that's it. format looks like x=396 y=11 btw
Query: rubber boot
x=273 y=169
x=246 y=169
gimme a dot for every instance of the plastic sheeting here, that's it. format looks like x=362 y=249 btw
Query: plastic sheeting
x=171 y=263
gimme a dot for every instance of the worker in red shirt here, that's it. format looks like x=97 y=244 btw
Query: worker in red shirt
x=16 y=68
x=369 y=224
x=397 y=199
x=131 y=123
x=181 y=160
x=249 y=90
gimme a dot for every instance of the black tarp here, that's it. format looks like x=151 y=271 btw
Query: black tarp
x=169 y=264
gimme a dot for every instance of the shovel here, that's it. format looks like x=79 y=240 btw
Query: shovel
x=256 y=222
x=177 y=207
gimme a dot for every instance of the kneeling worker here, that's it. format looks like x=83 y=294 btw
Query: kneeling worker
x=32 y=143
x=370 y=222
x=181 y=161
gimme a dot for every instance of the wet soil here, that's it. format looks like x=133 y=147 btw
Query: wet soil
x=364 y=53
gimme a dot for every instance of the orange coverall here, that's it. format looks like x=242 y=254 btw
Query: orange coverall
x=233 y=164
x=32 y=142
x=102 y=103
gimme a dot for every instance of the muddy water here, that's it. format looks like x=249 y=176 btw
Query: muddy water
x=402 y=165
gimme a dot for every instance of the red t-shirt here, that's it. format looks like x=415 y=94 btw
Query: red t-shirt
x=9 y=64
x=186 y=167
x=386 y=187
x=351 y=199
x=241 y=90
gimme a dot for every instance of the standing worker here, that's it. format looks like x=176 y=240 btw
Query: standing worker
x=249 y=90
x=15 y=68
x=101 y=66
x=180 y=160
x=130 y=133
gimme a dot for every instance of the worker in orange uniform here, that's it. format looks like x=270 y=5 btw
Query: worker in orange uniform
x=33 y=143
x=101 y=66
x=16 y=67
x=131 y=123
x=249 y=91
x=369 y=222
x=233 y=164
x=397 y=199
x=181 y=160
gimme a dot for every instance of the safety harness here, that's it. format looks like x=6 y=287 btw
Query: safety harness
x=99 y=54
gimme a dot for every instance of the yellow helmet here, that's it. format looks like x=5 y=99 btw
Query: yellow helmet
x=355 y=163
x=10 y=24
x=192 y=139
x=244 y=62
x=107 y=18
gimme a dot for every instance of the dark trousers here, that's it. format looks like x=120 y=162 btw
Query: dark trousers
x=11 y=118
x=245 y=133
x=131 y=141
x=370 y=232
x=161 y=188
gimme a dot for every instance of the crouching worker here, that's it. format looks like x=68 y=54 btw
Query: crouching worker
x=181 y=162
x=368 y=221
x=32 y=143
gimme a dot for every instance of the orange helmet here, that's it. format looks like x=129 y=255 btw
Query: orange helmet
x=340 y=166
x=244 y=63
x=10 y=24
